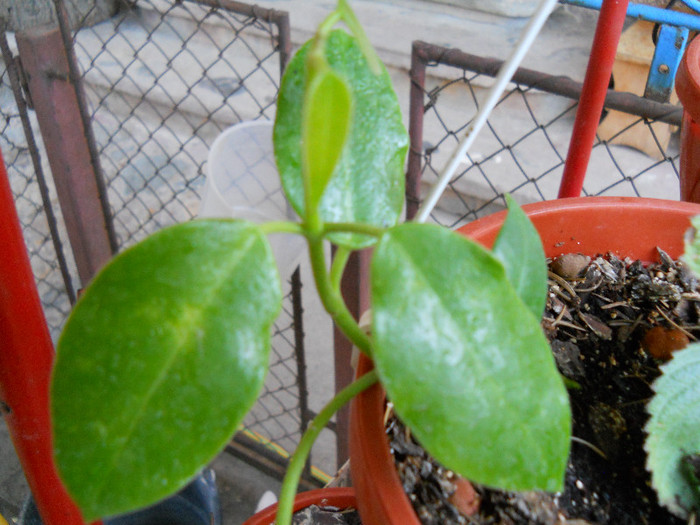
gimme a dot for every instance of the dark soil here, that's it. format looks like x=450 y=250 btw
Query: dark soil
x=610 y=323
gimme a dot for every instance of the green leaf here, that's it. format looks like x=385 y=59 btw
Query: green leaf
x=160 y=361
x=326 y=125
x=519 y=248
x=367 y=185
x=692 y=246
x=465 y=362
x=674 y=430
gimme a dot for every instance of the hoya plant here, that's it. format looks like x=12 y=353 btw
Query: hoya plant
x=167 y=350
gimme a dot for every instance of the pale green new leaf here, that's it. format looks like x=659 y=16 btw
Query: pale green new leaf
x=674 y=430
x=519 y=248
x=160 y=361
x=367 y=185
x=465 y=362
x=326 y=124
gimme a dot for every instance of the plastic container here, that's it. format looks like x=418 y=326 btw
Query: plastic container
x=243 y=183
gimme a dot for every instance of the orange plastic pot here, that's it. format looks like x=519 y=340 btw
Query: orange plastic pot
x=626 y=226
x=339 y=497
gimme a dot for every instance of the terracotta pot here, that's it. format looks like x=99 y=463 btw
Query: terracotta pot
x=626 y=226
x=340 y=497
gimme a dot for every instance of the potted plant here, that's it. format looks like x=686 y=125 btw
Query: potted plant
x=590 y=226
x=167 y=349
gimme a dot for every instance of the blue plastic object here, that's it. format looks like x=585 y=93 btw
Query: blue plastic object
x=651 y=13
x=196 y=504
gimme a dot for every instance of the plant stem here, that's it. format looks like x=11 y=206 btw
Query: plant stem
x=282 y=227
x=340 y=260
x=298 y=460
x=353 y=227
x=331 y=298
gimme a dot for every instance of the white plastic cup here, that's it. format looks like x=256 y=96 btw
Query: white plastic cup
x=242 y=182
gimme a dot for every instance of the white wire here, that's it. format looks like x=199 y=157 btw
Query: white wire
x=502 y=79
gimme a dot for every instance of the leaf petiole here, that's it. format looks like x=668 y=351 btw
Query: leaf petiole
x=340 y=261
x=282 y=227
x=332 y=300
x=353 y=227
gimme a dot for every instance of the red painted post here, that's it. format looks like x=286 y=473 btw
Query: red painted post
x=26 y=356
x=688 y=89
x=595 y=86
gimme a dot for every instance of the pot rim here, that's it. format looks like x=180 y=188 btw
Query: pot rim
x=340 y=497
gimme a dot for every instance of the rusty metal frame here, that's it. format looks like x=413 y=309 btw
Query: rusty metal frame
x=83 y=195
x=46 y=64
x=424 y=54
x=13 y=69
x=271 y=16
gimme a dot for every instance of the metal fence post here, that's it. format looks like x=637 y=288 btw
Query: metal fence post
x=45 y=62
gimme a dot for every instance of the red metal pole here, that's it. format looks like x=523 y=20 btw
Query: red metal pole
x=26 y=357
x=595 y=86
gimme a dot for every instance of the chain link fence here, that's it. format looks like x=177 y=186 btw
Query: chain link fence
x=522 y=149
x=35 y=198
x=161 y=80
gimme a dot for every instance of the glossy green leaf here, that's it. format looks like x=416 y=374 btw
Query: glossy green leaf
x=325 y=130
x=465 y=362
x=674 y=430
x=160 y=361
x=367 y=185
x=519 y=248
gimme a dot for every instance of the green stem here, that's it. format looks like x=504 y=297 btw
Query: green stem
x=340 y=260
x=282 y=227
x=298 y=460
x=353 y=227
x=332 y=300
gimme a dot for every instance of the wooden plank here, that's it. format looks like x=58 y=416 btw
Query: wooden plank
x=27 y=14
